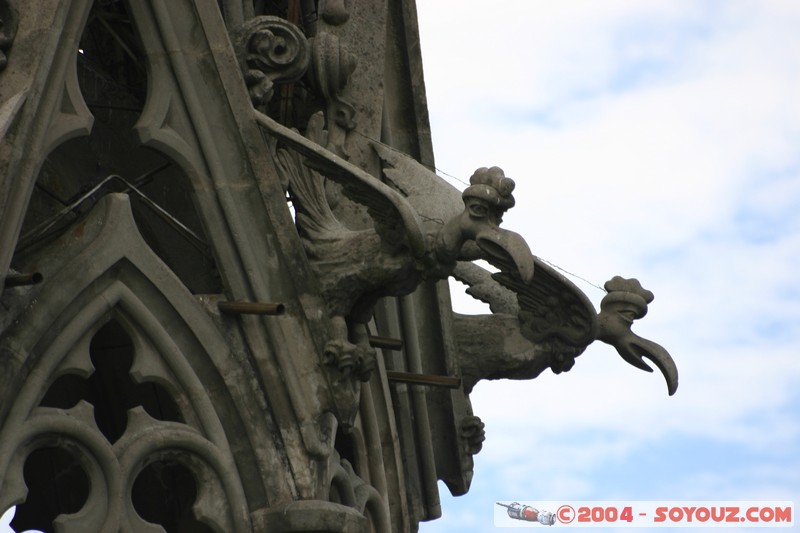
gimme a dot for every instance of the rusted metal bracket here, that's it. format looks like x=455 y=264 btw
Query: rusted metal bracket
x=251 y=308
x=448 y=382
x=17 y=280
x=385 y=342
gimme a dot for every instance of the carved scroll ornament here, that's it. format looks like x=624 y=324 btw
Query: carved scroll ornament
x=331 y=66
x=270 y=50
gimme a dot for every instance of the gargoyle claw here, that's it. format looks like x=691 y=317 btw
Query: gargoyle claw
x=473 y=432
x=342 y=355
x=366 y=362
x=351 y=359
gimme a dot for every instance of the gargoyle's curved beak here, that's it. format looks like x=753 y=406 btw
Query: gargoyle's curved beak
x=504 y=249
x=614 y=328
x=636 y=348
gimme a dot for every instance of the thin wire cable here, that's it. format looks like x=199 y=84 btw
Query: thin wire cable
x=432 y=168
x=565 y=271
x=35 y=234
x=442 y=172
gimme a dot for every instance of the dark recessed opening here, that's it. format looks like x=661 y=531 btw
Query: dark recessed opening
x=110 y=388
x=57 y=485
x=164 y=493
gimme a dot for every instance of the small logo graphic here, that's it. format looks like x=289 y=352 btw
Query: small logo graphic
x=645 y=513
x=566 y=514
x=527 y=513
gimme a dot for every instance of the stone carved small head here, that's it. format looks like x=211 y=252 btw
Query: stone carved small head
x=486 y=200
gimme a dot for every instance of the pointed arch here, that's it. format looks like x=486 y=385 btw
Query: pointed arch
x=102 y=270
x=256 y=363
x=51 y=109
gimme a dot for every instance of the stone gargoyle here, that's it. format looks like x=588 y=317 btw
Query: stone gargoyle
x=547 y=323
x=404 y=247
x=425 y=229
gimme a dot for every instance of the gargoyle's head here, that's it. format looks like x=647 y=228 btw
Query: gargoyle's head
x=625 y=302
x=485 y=201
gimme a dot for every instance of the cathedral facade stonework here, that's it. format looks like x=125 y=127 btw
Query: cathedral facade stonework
x=225 y=257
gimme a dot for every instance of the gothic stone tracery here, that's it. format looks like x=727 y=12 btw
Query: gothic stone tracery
x=223 y=253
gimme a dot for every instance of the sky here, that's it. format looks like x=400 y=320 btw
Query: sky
x=651 y=139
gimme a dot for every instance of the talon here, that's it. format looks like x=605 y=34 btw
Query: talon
x=341 y=355
x=346 y=364
x=367 y=363
x=473 y=432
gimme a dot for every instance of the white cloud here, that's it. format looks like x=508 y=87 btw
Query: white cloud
x=670 y=154
x=650 y=139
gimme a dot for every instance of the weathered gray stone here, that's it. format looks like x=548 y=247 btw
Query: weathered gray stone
x=270 y=50
x=221 y=245
x=8 y=30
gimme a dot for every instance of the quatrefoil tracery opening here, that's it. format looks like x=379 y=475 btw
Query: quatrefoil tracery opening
x=110 y=388
x=58 y=484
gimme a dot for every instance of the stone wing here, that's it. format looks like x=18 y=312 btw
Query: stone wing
x=393 y=214
x=551 y=305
